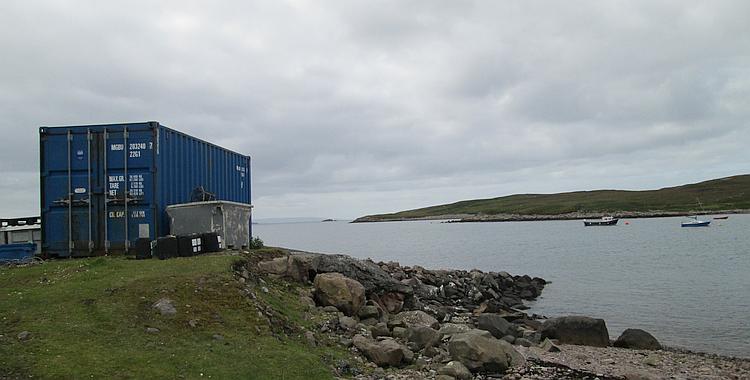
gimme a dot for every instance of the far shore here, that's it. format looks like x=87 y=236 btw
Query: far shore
x=467 y=218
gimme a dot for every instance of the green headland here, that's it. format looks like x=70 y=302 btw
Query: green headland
x=723 y=195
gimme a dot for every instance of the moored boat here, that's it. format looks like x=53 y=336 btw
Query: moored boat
x=723 y=217
x=605 y=221
x=696 y=222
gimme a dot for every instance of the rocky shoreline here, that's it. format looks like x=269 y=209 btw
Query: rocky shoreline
x=403 y=322
x=469 y=218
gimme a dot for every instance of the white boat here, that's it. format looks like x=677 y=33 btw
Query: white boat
x=605 y=221
x=695 y=222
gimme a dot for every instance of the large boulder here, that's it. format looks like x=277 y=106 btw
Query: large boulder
x=420 y=337
x=578 y=330
x=335 y=289
x=496 y=325
x=637 y=339
x=294 y=266
x=384 y=353
x=413 y=318
x=479 y=351
x=277 y=266
x=370 y=275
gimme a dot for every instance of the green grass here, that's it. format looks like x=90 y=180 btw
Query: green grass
x=88 y=318
x=720 y=194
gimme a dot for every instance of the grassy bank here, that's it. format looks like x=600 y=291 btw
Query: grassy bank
x=88 y=318
x=731 y=193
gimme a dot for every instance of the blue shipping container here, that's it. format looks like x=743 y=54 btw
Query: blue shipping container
x=104 y=186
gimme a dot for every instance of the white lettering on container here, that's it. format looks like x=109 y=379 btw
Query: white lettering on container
x=116 y=214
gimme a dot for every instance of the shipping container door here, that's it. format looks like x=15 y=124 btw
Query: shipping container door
x=129 y=213
x=70 y=166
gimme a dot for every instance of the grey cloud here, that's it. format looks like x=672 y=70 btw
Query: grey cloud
x=357 y=107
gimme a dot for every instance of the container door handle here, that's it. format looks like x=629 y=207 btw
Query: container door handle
x=106 y=196
x=70 y=194
x=127 y=191
x=88 y=191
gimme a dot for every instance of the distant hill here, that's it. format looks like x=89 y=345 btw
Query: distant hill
x=724 y=194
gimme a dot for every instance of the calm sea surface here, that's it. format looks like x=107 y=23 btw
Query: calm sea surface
x=690 y=287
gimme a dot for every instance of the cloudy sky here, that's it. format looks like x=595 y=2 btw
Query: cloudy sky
x=357 y=107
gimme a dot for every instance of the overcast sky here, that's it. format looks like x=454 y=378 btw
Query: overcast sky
x=358 y=107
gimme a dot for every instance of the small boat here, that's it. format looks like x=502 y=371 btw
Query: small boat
x=696 y=222
x=723 y=217
x=605 y=221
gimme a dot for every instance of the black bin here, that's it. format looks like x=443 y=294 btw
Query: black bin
x=211 y=242
x=190 y=245
x=165 y=247
x=142 y=249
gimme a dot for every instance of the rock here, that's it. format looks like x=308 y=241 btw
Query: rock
x=456 y=370
x=330 y=309
x=479 y=351
x=370 y=322
x=444 y=377
x=496 y=325
x=218 y=337
x=449 y=329
x=430 y=352
x=386 y=352
x=277 y=266
x=523 y=342
x=413 y=318
x=509 y=338
x=152 y=330
x=24 y=336
x=165 y=306
x=399 y=332
x=584 y=331
x=299 y=266
x=346 y=342
x=548 y=346
x=310 y=338
x=294 y=266
x=368 y=311
x=651 y=360
x=370 y=275
x=408 y=355
x=380 y=329
x=335 y=289
x=307 y=302
x=637 y=339
x=193 y=323
x=422 y=336
x=347 y=323
x=392 y=302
